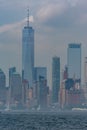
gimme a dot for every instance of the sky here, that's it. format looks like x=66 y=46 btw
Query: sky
x=56 y=22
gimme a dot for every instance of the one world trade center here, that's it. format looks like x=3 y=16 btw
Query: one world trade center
x=28 y=53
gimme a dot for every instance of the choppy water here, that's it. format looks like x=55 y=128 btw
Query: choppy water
x=44 y=121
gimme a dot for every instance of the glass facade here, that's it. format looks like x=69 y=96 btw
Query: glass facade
x=16 y=89
x=74 y=61
x=2 y=87
x=28 y=54
x=40 y=71
x=55 y=78
x=85 y=72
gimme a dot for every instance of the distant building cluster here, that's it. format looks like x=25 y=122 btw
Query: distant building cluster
x=31 y=91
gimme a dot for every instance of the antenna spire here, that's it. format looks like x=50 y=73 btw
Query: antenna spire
x=28 y=17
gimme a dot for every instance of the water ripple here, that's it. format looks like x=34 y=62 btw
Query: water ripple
x=59 y=121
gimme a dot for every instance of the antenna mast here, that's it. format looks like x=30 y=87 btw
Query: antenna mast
x=28 y=17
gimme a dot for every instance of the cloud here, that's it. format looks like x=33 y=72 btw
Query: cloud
x=51 y=11
x=17 y=5
x=9 y=27
x=65 y=13
x=57 y=23
x=73 y=2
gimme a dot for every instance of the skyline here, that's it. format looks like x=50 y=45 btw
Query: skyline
x=66 y=19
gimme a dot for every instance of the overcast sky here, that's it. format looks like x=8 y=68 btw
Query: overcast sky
x=56 y=23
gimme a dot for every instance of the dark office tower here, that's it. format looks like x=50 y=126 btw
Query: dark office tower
x=85 y=71
x=16 y=89
x=40 y=91
x=55 y=78
x=11 y=71
x=42 y=98
x=28 y=53
x=2 y=87
x=25 y=92
x=74 y=61
x=40 y=71
x=65 y=73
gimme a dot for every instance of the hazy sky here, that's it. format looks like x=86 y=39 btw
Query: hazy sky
x=56 y=23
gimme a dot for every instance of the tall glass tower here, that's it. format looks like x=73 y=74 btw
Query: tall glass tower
x=55 y=78
x=74 y=61
x=28 y=53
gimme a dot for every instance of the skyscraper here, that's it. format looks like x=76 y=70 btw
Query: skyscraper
x=55 y=78
x=40 y=71
x=2 y=87
x=16 y=89
x=28 y=53
x=74 y=61
x=85 y=71
x=42 y=95
x=11 y=71
x=40 y=89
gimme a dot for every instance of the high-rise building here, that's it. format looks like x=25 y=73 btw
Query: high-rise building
x=39 y=88
x=55 y=78
x=42 y=95
x=65 y=73
x=28 y=53
x=16 y=89
x=11 y=71
x=85 y=71
x=25 y=93
x=74 y=61
x=2 y=87
x=40 y=71
x=74 y=98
